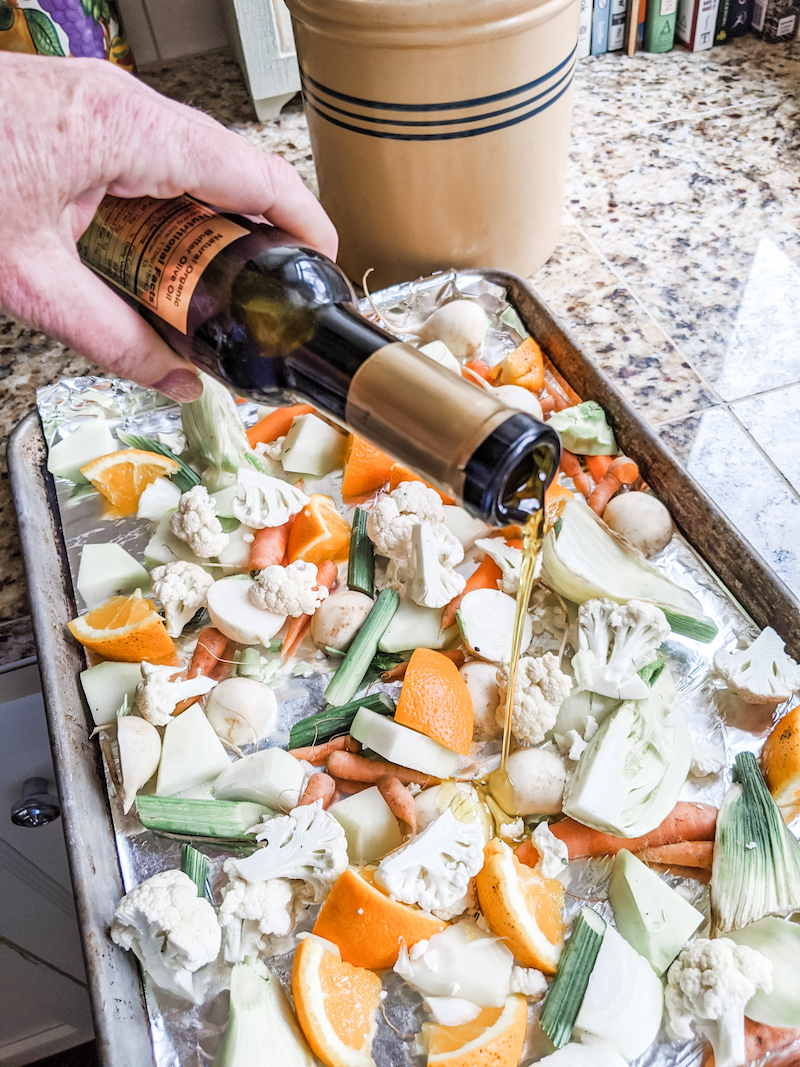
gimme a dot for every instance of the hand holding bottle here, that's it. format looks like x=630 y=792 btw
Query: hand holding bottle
x=75 y=130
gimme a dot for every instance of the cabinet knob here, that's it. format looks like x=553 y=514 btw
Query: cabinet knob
x=36 y=806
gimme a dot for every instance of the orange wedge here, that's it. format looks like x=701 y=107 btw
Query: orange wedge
x=124 y=628
x=435 y=700
x=494 y=1039
x=400 y=474
x=318 y=533
x=555 y=497
x=522 y=907
x=367 y=925
x=524 y=366
x=123 y=476
x=335 y=1004
x=366 y=468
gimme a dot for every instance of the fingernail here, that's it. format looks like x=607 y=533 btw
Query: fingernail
x=180 y=385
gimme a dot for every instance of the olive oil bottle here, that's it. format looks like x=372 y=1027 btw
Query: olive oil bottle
x=277 y=321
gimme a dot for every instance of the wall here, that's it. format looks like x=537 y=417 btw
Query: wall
x=167 y=29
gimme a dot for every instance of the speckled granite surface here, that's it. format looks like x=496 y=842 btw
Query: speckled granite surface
x=678 y=268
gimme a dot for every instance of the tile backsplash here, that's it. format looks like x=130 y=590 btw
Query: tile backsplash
x=168 y=29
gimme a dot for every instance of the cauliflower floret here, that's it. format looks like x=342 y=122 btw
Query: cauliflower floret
x=540 y=690
x=393 y=515
x=553 y=853
x=435 y=868
x=706 y=759
x=271 y=449
x=253 y=913
x=762 y=673
x=173 y=931
x=528 y=981
x=708 y=986
x=307 y=845
x=262 y=500
x=196 y=523
x=156 y=696
x=288 y=590
x=511 y=830
x=507 y=558
x=614 y=643
x=182 y=588
x=427 y=574
x=571 y=744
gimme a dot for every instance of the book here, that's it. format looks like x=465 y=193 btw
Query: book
x=600 y=19
x=659 y=25
x=775 y=20
x=734 y=19
x=616 y=24
x=696 y=23
x=585 y=29
x=632 y=18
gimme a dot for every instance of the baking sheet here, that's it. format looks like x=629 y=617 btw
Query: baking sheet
x=191 y=1037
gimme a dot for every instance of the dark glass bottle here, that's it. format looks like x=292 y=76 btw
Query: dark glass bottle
x=278 y=321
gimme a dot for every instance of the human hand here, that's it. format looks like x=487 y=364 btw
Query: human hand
x=74 y=130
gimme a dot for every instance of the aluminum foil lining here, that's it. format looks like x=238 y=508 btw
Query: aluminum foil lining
x=190 y=1036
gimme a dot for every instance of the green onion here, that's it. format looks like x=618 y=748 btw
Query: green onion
x=185 y=478
x=652 y=671
x=696 y=627
x=756 y=869
x=334 y=721
x=254 y=461
x=199 y=818
x=195 y=864
x=345 y=683
x=572 y=977
x=335 y=653
x=361 y=568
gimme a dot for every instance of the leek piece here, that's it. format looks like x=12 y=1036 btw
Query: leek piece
x=350 y=673
x=361 y=567
x=756 y=868
x=333 y=721
x=199 y=818
x=262 y=1031
x=572 y=977
x=195 y=864
x=779 y=941
x=185 y=478
x=585 y=560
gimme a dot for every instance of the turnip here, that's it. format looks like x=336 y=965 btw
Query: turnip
x=481 y=679
x=461 y=324
x=641 y=519
x=139 y=744
x=538 y=778
x=233 y=614
x=521 y=399
x=242 y=710
x=486 y=619
x=339 y=618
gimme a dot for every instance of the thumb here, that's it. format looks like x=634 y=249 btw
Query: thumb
x=59 y=295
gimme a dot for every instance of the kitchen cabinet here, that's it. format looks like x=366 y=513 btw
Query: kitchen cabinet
x=44 y=1002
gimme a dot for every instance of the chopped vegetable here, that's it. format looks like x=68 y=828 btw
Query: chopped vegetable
x=369 y=825
x=254 y=915
x=191 y=752
x=517 y=396
x=778 y=941
x=350 y=673
x=107 y=570
x=157 y=696
x=708 y=988
x=242 y=710
x=262 y=500
x=537 y=777
x=332 y=721
x=106 y=686
x=614 y=643
x=540 y=688
x=486 y=620
x=354 y=768
x=762 y=673
x=313 y=447
x=270 y=777
x=441 y=354
x=630 y=776
x=361 y=567
x=236 y=617
x=262 y=1031
x=195 y=865
x=572 y=977
x=276 y=424
x=139 y=744
x=182 y=588
x=463 y=962
x=401 y=745
x=199 y=818
x=196 y=523
x=622 y=471
x=292 y=590
x=585 y=560
x=487 y=575
x=268 y=546
x=88 y=441
x=183 y=478
x=214 y=431
x=756 y=857
x=584 y=430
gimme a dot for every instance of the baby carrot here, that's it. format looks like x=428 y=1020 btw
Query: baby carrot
x=276 y=424
x=598 y=465
x=269 y=546
x=318 y=754
x=571 y=466
x=319 y=786
x=360 y=769
x=683 y=853
x=209 y=653
x=399 y=800
x=485 y=576
x=478 y=368
x=621 y=471
x=327 y=572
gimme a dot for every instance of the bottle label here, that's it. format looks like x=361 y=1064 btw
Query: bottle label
x=156 y=250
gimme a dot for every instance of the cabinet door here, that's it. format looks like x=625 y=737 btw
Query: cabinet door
x=44 y=1003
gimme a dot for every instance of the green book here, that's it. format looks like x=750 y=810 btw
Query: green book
x=659 y=25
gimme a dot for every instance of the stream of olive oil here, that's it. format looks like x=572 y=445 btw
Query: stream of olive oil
x=498 y=782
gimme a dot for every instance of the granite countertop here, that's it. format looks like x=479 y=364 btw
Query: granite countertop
x=678 y=269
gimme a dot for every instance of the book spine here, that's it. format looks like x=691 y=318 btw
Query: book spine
x=659 y=26
x=585 y=29
x=721 y=33
x=696 y=23
x=740 y=18
x=684 y=23
x=775 y=20
x=600 y=17
x=616 y=24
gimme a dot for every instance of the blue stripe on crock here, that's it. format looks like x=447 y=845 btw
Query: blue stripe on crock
x=452 y=135
x=450 y=105
x=311 y=96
